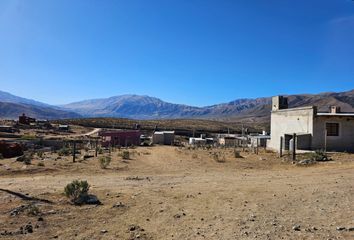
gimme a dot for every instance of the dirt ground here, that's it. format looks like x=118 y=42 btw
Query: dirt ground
x=178 y=193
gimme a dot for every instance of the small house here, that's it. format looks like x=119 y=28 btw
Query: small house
x=122 y=138
x=23 y=119
x=164 y=137
x=64 y=127
x=332 y=131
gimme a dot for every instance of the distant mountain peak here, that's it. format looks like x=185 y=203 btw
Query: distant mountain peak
x=146 y=107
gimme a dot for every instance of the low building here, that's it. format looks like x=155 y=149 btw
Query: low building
x=23 y=119
x=227 y=141
x=43 y=124
x=201 y=141
x=63 y=127
x=164 y=137
x=331 y=131
x=123 y=138
x=197 y=141
x=258 y=140
x=7 y=129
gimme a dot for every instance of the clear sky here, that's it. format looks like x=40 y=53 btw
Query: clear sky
x=196 y=52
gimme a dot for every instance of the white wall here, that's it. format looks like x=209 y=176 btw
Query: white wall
x=289 y=121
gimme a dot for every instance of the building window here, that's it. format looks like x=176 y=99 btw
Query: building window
x=332 y=129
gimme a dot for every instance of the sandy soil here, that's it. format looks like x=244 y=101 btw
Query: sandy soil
x=182 y=194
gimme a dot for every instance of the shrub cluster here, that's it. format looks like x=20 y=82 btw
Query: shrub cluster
x=77 y=191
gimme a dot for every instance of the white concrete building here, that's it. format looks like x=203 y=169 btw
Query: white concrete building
x=333 y=131
x=164 y=137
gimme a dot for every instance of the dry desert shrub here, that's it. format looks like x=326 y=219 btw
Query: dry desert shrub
x=77 y=190
x=218 y=157
x=105 y=161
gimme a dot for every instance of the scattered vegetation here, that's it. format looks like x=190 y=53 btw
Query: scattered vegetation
x=40 y=164
x=26 y=158
x=28 y=137
x=126 y=155
x=218 y=157
x=319 y=155
x=77 y=191
x=237 y=154
x=104 y=161
x=33 y=210
x=99 y=150
x=40 y=154
x=64 y=151
x=182 y=126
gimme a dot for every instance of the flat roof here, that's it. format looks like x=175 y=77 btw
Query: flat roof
x=336 y=114
x=294 y=109
x=163 y=132
x=260 y=136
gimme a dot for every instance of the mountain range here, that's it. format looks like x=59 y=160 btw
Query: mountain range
x=146 y=107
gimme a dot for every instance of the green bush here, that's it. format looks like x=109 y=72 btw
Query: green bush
x=126 y=155
x=100 y=150
x=105 y=161
x=1 y=156
x=319 y=155
x=65 y=151
x=40 y=164
x=77 y=191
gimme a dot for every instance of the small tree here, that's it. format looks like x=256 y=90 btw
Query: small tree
x=77 y=191
x=105 y=161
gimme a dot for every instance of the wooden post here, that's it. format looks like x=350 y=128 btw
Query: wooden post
x=96 y=148
x=74 y=151
x=281 y=147
x=325 y=148
x=257 y=145
x=294 y=146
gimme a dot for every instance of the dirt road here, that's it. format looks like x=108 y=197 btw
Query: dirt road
x=168 y=193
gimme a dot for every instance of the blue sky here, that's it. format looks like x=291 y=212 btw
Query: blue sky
x=196 y=52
